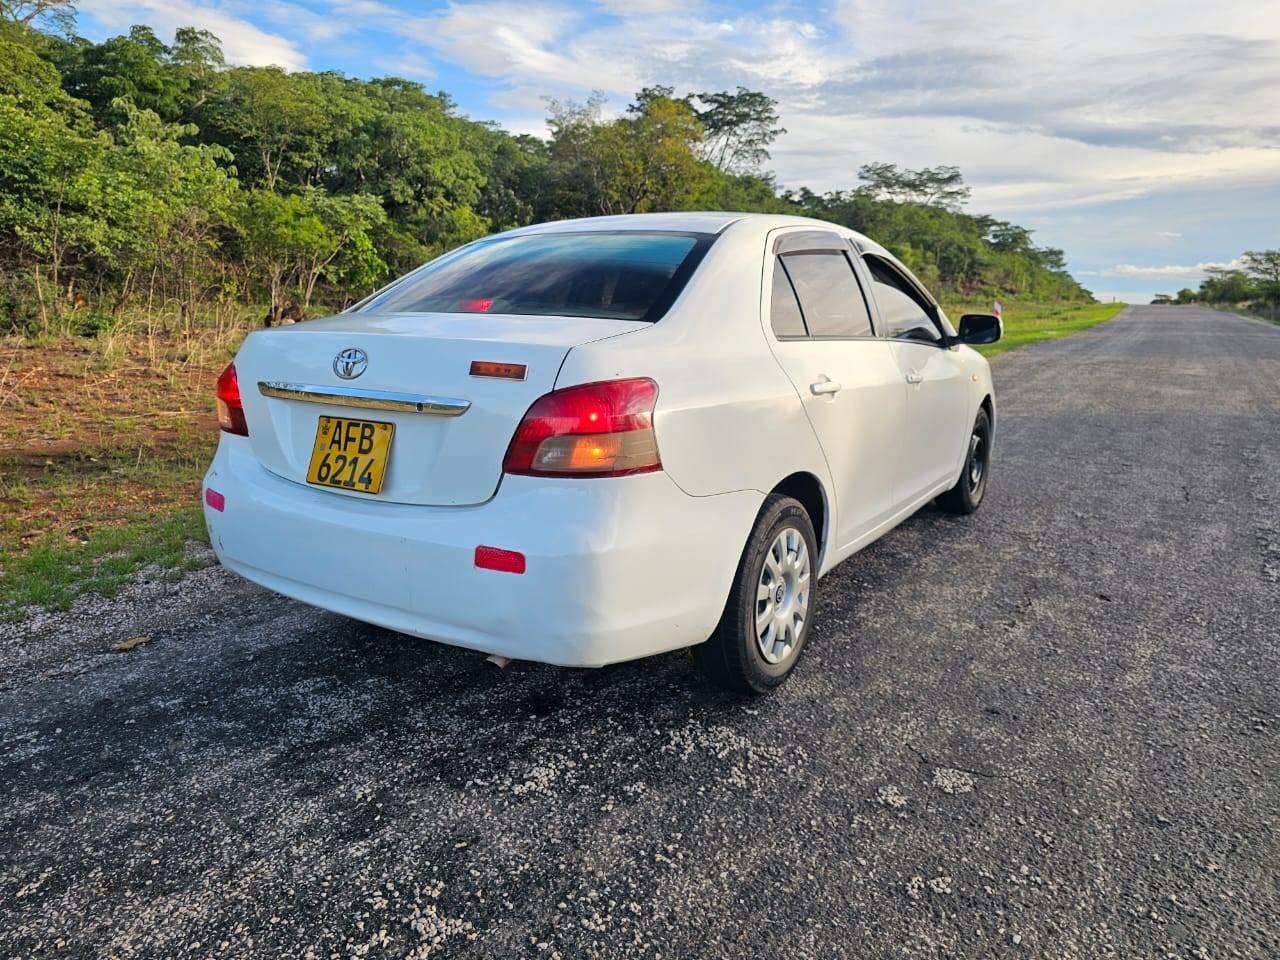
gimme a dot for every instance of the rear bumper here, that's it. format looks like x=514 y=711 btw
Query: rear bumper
x=616 y=568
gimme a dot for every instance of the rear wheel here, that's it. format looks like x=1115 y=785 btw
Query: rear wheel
x=966 y=496
x=766 y=621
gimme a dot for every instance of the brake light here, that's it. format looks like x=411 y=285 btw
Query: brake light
x=230 y=409
x=594 y=430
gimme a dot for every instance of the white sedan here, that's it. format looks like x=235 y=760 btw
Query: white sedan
x=595 y=440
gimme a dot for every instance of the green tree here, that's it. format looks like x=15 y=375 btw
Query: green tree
x=297 y=238
x=1226 y=285
x=180 y=199
x=647 y=160
x=1263 y=267
x=196 y=57
x=929 y=186
x=54 y=194
x=133 y=68
x=738 y=128
x=60 y=13
x=275 y=123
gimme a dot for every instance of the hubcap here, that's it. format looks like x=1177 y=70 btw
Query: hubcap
x=782 y=597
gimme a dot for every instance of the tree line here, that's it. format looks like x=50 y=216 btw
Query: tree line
x=1253 y=280
x=139 y=172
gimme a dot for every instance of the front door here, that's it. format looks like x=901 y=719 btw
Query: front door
x=937 y=396
x=846 y=376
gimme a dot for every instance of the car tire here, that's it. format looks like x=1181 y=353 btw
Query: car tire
x=781 y=557
x=966 y=496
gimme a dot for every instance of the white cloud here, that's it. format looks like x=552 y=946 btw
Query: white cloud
x=632 y=7
x=1171 y=271
x=242 y=42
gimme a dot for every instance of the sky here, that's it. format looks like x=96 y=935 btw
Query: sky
x=1143 y=138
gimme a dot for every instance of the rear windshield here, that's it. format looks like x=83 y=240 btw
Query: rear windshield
x=623 y=276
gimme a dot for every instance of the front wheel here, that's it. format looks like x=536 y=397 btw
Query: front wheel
x=766 y=621
x=966 y=496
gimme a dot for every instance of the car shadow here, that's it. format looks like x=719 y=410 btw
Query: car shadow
x=272 y=683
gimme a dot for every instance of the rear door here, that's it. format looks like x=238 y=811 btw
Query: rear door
x=845 y=375
x=937 y=388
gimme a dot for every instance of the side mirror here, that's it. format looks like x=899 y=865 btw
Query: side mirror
x=978 y=328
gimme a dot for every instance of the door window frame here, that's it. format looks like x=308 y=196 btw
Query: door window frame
x=817 y=241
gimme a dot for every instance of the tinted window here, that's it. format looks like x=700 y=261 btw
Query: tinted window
x=900 y=311
x=784 y=312
x=829 y=294
x=625 y=276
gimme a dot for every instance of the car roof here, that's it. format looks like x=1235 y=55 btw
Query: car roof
x=694 y=221
x=690 y=222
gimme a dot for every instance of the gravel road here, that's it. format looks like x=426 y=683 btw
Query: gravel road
x=1051 y=729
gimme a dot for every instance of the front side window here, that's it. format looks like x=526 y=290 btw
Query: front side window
x=830 y=296
x=901 y=311
x=622 y=275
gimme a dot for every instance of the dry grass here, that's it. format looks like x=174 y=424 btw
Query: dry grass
x=103 y=442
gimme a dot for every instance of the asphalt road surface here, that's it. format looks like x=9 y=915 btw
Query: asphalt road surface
x=1051 y=729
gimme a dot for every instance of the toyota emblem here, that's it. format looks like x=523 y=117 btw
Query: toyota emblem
x=350 y=363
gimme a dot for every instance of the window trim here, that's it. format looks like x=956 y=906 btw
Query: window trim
x=779 y=257
x=779 y=262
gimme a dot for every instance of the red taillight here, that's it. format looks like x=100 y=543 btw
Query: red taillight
x=595 y=430
x=230 y=409
x=504 y=561
x=214 y=499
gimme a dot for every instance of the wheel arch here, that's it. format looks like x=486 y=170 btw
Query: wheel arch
x=989 y=404
x=808 y=489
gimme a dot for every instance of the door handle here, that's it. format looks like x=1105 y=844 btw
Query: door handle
x=825 y=387
x=914 y=377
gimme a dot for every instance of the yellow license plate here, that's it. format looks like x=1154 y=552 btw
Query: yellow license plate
x=350 y=454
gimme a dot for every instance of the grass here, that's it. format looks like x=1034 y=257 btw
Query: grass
x=102 y=446
x=103 y=442
x=52 y=572
x=1026 y=323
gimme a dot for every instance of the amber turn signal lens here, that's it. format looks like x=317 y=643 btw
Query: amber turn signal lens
x=502 y=371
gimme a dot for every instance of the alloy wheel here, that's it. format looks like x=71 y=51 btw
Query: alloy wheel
x=782 y=596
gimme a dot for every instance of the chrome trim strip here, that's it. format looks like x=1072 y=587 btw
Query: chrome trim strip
x=365 y=399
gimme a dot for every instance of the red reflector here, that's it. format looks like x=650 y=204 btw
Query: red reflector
x=478 y=305
x=505 y=561
x=214 y=499
x=504 y=371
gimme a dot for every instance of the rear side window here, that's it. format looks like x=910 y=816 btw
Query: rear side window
x=830 y=296
x=784 y=313
x=624 y=276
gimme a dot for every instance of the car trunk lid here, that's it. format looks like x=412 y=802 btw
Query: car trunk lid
x=451 y=429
